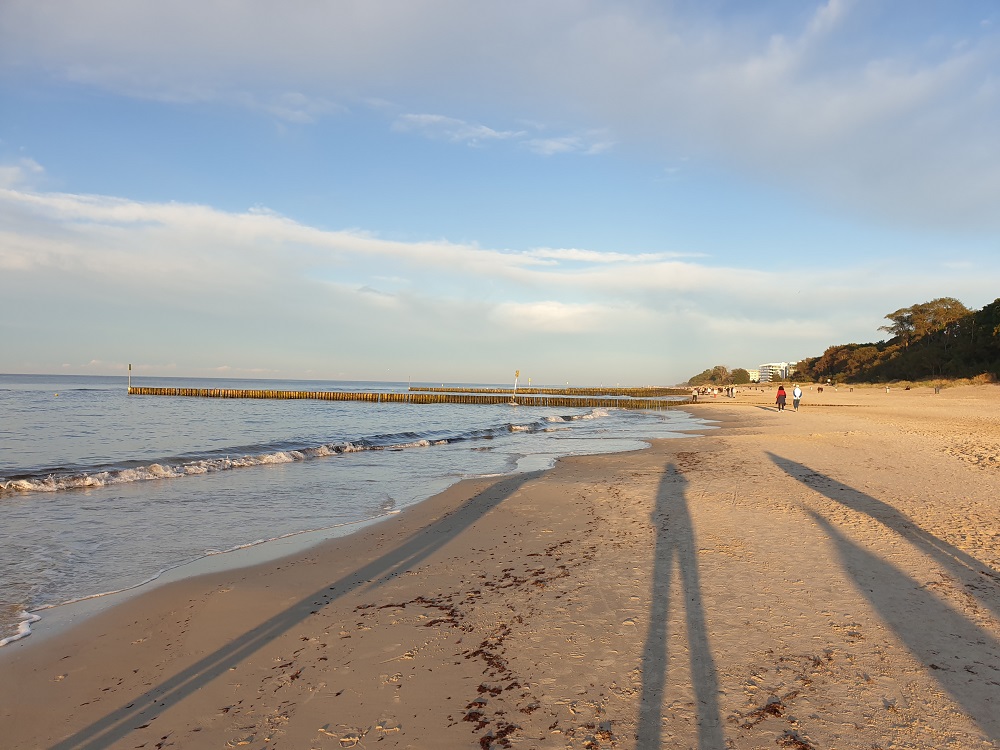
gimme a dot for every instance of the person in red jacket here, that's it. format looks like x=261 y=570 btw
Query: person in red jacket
x=780 y=400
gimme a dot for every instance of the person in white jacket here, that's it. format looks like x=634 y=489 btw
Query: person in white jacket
x=796 y=397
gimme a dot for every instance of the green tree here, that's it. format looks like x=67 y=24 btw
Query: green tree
x=938 y=316
x=718 y=375
x=702 y=378
x=740 y=376
x=806 y=369
x=925 y=319
x=902 y=325
x=940 y=338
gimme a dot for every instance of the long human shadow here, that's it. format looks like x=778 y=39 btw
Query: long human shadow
x=976 y=575
x=146 y=707
x=676 y=552
x=963 y=658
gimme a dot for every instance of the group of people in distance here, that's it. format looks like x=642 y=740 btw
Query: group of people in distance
x=782 y=396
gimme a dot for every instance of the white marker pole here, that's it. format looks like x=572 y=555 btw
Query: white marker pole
x=130 y=376
x=517 y=374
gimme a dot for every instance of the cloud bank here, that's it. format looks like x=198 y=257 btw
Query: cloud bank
x=829 y=99
x=161 y=282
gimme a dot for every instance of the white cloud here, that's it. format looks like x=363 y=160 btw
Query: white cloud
x=173 y=243
x=592 y=256
x=262 y=293
x=827 y=18
x=830 y=106
x=550 y=316
x=589 y=144
x=451 y=129
x=292 y=106
x=455 y=130
x=23 y=173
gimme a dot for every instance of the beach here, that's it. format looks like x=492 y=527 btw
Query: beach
x=826 y=578
x=102 y=491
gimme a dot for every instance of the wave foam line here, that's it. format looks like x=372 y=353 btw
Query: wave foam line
x=54 y=483
x=29 y=617
x=23 y=628
x=108 y=477
x=595 y=413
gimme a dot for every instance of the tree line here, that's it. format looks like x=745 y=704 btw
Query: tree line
x=721 y=375
x=938 y=339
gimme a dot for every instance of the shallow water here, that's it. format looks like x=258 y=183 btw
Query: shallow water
x=101 y=491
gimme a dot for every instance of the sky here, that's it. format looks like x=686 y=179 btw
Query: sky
x=587 y=191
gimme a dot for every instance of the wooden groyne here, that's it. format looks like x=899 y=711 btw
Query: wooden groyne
x=641 y=392
x=414 y=397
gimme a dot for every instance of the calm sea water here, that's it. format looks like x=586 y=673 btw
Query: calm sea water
x=101 y=491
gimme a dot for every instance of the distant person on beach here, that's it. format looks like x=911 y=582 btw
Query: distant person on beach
x=796 y=397
x=780 y=400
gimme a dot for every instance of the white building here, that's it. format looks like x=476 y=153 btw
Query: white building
x=775 y=371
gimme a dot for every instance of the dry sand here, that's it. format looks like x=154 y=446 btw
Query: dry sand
x=822 y=579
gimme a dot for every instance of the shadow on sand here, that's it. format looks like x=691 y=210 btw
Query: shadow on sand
x=144 y=708
x=974 y=575
x=676 y=554
x=962 y=657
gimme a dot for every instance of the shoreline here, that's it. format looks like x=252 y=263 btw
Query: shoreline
x=57 y=617
x=47 y=562
x=829 y=578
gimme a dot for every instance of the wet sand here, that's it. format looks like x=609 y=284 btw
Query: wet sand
x=828 y=578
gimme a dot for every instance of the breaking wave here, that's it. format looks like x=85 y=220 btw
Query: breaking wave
x=60 y=479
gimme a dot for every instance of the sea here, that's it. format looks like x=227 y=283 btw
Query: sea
x=103 y=492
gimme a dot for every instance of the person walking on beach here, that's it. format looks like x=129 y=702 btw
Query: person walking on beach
x=796 y=397
x=780 y=400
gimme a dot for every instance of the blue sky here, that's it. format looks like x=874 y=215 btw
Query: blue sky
x=585 y=190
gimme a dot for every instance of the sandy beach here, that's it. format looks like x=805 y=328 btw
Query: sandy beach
x=827 y=578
